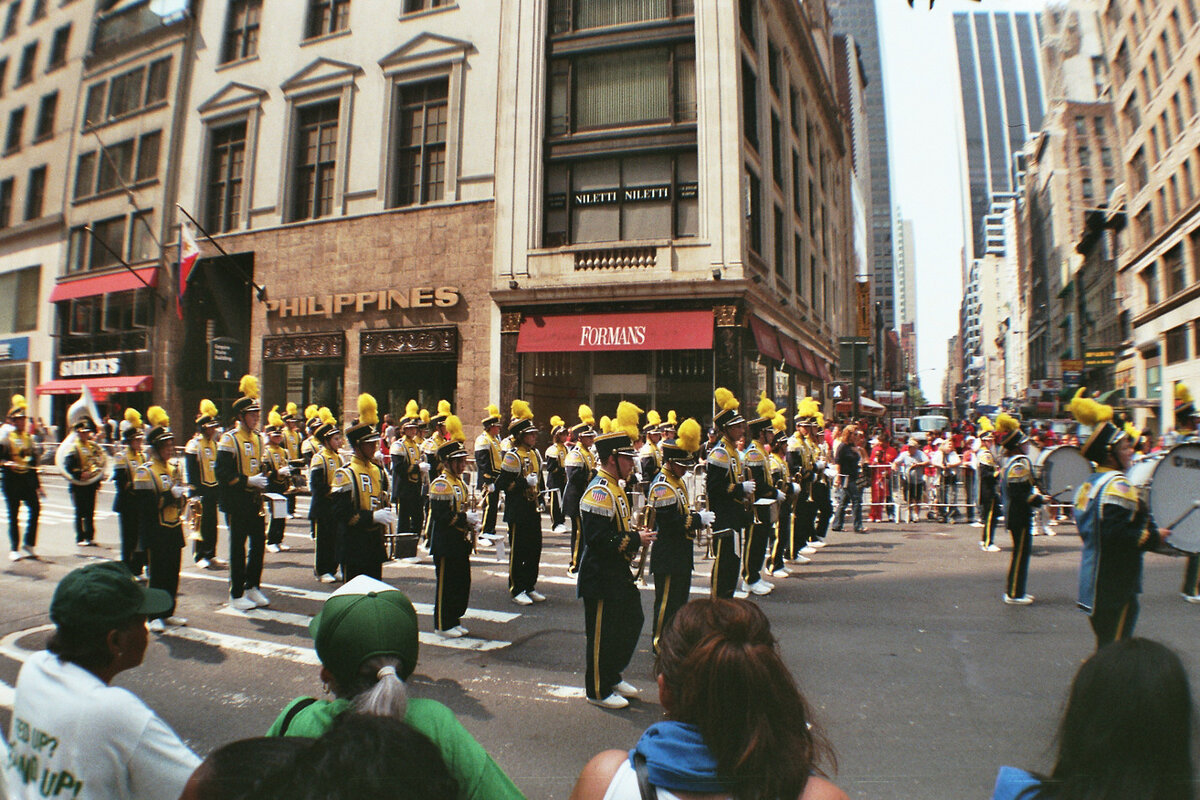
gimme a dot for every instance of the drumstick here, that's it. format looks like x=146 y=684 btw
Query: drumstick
x=1185 y=515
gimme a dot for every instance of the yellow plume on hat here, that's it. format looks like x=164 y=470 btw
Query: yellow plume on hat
x=1088 y=411
x=311 y=411
x=249 y=387
x=652 y=417
x=586 y=416
x=556 y=421
x=627 y=418
x=454 y=429
x=424 y=416
x=766 y=406
x=808 y=408
x=688 y=435
x=985 y=425
x=1182 y=393
x=671 y=419
x=820 y=419
x=18 y=401
x=208 y=408
x=779 y=423
x=368 y=409
x=444 y=407
x=521 y=410
x=133 y=417
x=606 y=425
x=157 y=415
x=725 y=399
x=1006 y=424
x=291 y=408
x=273 y=417
x=326 y=416
x=1133 y=433
x=492 y=410
x=411 y=409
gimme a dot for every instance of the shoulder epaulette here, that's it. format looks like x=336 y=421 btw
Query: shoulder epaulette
x=1119 y=491
x=511 y=462
x=441 y=488
x=597 y=499
x=662 y=495
x=719 y=457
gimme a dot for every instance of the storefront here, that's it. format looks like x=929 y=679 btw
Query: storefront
x=14 y=366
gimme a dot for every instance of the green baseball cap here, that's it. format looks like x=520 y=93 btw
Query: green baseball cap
x=363 y=619
x=102 y=596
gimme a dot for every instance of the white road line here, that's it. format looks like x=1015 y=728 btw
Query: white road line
x=7 y=695
x=10 y=648
x=268 y=615
x=525 y=690
x=555 y=580
x=291 y=591
x=464 y=643
x=225 y=641
x=431 y=639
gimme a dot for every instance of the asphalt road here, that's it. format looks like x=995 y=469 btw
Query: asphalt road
x=923 y=681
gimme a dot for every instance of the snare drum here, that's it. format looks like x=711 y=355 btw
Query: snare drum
x=1060 y=471
x=766 y=510
x=276 y=504
x=1168 y=484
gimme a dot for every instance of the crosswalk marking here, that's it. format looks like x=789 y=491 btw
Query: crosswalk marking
x=241 y=644
x=556 y=580
x=7 y=695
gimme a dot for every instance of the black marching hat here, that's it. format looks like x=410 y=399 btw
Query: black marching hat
x=617 y=443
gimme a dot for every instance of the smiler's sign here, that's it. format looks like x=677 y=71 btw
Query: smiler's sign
x=89 y=367
x=330 y=305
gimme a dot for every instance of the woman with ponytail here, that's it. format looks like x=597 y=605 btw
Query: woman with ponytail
x=366 y=638
x=737 y=726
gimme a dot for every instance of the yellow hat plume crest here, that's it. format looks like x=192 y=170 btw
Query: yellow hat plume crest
x=556 y=421
x=411 y=409
x=157 y=416
x=688 y=435
x=1182 y=393
x=606 y=425
x=586 y=416
x=291 y=409
x=443 y=407
x=671 y=418
x=725 y=399
x=274 y=418
x=311 y=411
x=454 y=429
x=133 y=417
x=627 y=418
x=326 y=416
x=808 y=407
x=492 y=410
x=208 y=408
x=368 y=409
x=19 y=401
x=652 y=417
x=521 y=410
x=248 y=386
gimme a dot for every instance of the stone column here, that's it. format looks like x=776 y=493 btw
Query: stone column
x=728 y=350
x=510 y=361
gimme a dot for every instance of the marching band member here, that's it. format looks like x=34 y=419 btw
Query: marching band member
x=612 y=605
x=438 y=438
x=452 y=534
x=291 y=442
x=279 y=475
x=408 y=467
x=321 y=511
x=200 y=459
x=650 y=454
x=989 y=498
x=730 y=494
x=487 y=469
x=520 y=480
x=163 y=493
x=801 y=456
x=1115 y=528
x=360 y=494
x=759 y=432
x=1185 y=431
x=84 y=464
x=671 y=556
x=821 y=490
x=310 y=445
x=781 y=543
x=239 y=471
x=126 y=460
x=1022 y=496
x=556 y=473
x=580 y=469
x=20 y=480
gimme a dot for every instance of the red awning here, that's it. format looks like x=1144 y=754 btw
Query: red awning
x=121 y=281
x=822 y=369
x=765 y=339
x=650 y=330
x=112 y=384
x=811 y=365
x=791 y=352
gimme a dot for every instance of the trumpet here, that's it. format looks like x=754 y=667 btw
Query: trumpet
x=643 y=517
x=193 y=515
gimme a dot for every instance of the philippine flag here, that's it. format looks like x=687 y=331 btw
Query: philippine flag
x=189 y=251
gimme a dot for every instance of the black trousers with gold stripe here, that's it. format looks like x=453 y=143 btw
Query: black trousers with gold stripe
x=491 y=505
x=613 y=626
x=989 y=512
x=1113 y=622
x=576 y=545
x=1191 y=576
x=726 y=563
x=671 y=590
x=453 y=591
x=1018 y=569
x=756 y=552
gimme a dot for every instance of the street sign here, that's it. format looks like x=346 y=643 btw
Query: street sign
x=1099 y=357
x=226 y=360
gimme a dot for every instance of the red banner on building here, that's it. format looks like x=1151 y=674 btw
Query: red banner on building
x=650 y=330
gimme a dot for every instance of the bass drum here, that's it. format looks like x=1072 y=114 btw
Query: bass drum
x=1169 y=485
x=1060 y=471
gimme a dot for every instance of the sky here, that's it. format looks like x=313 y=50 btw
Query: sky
x=920 y=82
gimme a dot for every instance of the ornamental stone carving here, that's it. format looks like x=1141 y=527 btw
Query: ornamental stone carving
x=510 y=322
x=726 y=316
x=406 y=341
x=288 y=347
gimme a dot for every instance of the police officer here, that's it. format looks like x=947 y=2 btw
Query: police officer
x=520 y=480
x=20 y=480
x=555 y=464
x=278 y=470
x=580 y=469
x=730 y=494
x=408 y=471
x=1021 y=496
x=452 y=534
x=612 y=605
x=162 y=494
x=487 y=469
x=360 y=495
x=84 y=463
x=239 y=470
x=1115 y=528
x=989 y=498
x=200 y=460
x=126 y=459
x=671 y=556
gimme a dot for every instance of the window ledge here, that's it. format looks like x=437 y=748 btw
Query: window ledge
x=325 y=37
x=12 y=151
x=405 y=16
x=45 y=137
x=155 y=106
x=55 y=67
x=77 y=201
x=237 y=62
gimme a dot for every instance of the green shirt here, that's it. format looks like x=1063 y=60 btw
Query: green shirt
x=478 y=776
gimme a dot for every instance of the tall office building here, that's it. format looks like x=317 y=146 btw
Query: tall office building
x=858 y=18
x=1003 y=98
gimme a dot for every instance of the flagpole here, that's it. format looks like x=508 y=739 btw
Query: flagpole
x=260 y=291
x=117 y=256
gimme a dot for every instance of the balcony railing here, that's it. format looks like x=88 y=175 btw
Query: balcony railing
x=616 y=258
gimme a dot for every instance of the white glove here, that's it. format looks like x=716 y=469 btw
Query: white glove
x=820 y=464
x=706 y=518
x=179 y=491
x=795 y=488
x=779 y=495
x=474 y=518
x=384 y=516
x=748 y=487
x=285 y=470
x=257 y=481
x=830 y=473
x=532 y=480
x=424 y=467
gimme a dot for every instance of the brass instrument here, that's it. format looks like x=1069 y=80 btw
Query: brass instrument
x=83 y=408
x=193 y=515
x=473 y=504
x=643 y=517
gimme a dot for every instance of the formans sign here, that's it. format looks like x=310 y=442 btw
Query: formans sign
x=330 y=305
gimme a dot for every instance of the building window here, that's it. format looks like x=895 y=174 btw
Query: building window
x=58 y=48
x=107 y=242
x=1086 y=186
x=640 y=197
x=1175 y=270
x=226 y=168
x=47 y=109
x=750 y=104
x=578 y=15
x=19 y=312
x=327 y=16
x=1085 y=157
x=6 y=202
x=3 y=75
x=116 y=166
x=797 y=182
x=754 y=212
x=85 y=175
x=16 y=121
x=798 y=262
x=315 y=160
x=1098 y=124
x=241 y=30
x=797 y=112
x=780 y=245
x=38 y=11
x=1177 y=344
x=157 y=80
x=423 y=121
x=774 y=69
x=746 y=18
x=776 y=151
x=125 y=93
x=25 y=69
x=10 y=20
x=147 y=156
x=35 y=192
x=415 y=6
x=1106 y=159
x=1149 y=277
x=142 y=246
x=1138 y=162
x=1190 y=85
